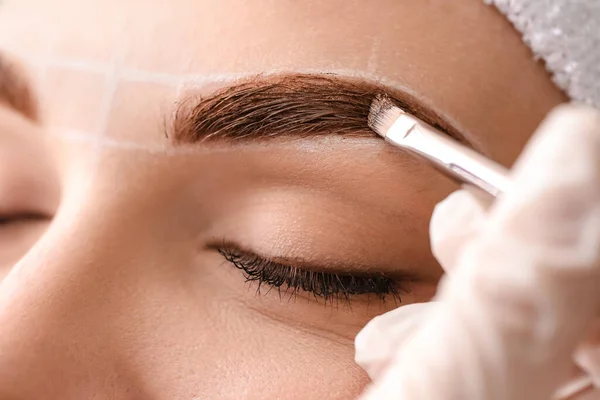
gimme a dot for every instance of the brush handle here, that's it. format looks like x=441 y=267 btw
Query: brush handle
x=450 y=157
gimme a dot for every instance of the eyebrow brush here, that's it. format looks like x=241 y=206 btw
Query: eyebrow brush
x=452 y=158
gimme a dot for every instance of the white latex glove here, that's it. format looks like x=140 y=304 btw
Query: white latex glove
x=522 y=284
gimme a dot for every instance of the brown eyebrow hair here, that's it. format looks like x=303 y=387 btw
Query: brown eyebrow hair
x=15 y=90
x=297 y=106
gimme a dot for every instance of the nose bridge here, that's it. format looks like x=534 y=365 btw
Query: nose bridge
x=54 y=306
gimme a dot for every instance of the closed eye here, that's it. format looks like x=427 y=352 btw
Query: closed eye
x=289 y=280
x=22 y=217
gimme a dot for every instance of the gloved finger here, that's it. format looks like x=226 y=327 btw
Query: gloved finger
x=377 y=342
x=455 y=222
x=512 y=312
x=577 y=387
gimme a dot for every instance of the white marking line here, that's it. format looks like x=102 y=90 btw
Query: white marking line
x=190 y=80
x=111 y=82
x=181 y=81
x=186 y=80
x=372 y=64
x=168 y=149
x=76 y=65
x=43 y=66
x=104 y=141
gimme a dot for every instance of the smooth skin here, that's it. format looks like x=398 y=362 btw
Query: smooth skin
x=123 y=295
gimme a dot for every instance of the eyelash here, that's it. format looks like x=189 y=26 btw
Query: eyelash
x=331 y=287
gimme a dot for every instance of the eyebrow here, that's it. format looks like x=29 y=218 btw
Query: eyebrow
x=291 y=106
x=15 y=89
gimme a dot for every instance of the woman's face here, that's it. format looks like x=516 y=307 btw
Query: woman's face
x=182 y=264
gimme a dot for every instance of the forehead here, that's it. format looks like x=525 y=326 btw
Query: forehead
x=184 y=36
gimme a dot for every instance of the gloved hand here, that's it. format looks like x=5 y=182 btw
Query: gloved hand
x=522 y=286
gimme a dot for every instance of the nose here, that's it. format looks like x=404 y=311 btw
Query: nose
x=75 y=309
x=57 y=338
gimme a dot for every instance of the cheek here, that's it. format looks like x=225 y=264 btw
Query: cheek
x=228 y=350
x=273 y=360
x=231 y=340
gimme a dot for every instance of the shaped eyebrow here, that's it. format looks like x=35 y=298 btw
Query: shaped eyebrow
x=291 y=106
x=15 y=89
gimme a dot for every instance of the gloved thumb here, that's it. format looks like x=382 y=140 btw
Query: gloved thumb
x=377 y=342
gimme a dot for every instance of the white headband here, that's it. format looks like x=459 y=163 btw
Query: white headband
x=566 y=35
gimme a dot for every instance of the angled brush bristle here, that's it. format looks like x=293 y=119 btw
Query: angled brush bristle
x=383 y=114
